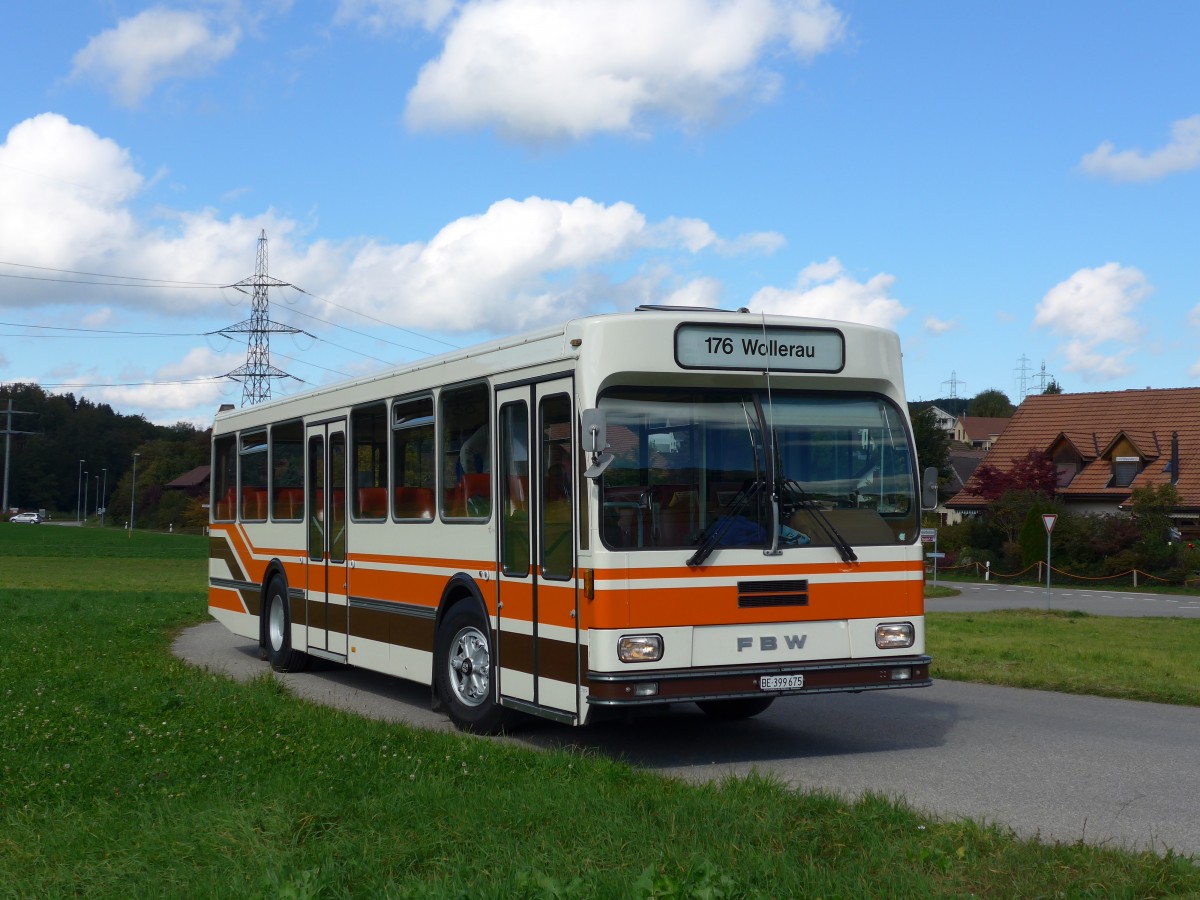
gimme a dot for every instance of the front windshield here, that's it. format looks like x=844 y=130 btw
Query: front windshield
x=693 y=466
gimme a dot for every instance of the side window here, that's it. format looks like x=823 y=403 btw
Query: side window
x=513 y=423
x=556 y=486
x=413 y=462
x=369 y=462
x=224 y=480
x=466 y=449
x=254 y=476
x=287 y=472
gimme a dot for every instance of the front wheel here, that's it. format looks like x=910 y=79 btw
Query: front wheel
x=279 y=632
x=463 y=672
x=735 y=708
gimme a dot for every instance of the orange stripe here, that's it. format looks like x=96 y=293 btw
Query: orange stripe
x=224 y=598
x=770 y=570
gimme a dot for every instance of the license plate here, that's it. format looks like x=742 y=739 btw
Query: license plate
x=780 y=682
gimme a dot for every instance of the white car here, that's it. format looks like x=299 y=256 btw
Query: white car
x=28 y=518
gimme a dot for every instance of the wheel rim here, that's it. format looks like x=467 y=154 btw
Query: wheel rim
x=275 y=624
x=470 y=666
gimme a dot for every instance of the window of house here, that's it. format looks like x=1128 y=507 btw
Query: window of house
x=1125 y=469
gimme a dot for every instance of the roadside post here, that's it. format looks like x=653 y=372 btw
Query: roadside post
x=929 y=536
x=1048 y=519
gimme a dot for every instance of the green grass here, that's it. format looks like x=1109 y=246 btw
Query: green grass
x=125 y=772
x=1136 y=659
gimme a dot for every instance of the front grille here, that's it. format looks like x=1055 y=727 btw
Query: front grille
x=757 y=594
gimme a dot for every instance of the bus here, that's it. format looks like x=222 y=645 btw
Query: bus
x=664 y=506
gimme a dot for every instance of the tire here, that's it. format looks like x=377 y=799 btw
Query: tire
x=735 y=708
x=278 y=631
x=464 y=673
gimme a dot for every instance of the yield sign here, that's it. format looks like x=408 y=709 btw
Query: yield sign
x=1048 y=519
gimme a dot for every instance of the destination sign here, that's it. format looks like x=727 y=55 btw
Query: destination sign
x=780 y=349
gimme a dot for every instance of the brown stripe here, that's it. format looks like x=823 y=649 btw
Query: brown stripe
x=218 y=548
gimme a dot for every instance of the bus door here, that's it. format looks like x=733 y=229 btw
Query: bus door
x=538 y=632
x=327 y=608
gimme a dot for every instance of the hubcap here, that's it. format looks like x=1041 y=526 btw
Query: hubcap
x=276 y=622
x=470 y=666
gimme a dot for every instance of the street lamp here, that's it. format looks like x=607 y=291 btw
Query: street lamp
x=104 y=508
x=97 y=495
x=133 y=493
x=85 y=482
x=78 y=492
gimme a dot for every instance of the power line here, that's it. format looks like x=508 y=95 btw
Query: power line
x=382 y=322
x=96 y=332
x=105 y=275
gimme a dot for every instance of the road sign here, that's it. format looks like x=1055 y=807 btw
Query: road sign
x=1048 y=519
x=928 y=535
x=935 y=555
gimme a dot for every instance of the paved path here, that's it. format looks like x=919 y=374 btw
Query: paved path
x=975 y=596
x=1060 y=767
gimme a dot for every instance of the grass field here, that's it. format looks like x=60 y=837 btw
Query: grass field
x=127 y=773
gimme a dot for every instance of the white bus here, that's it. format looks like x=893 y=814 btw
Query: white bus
x=664 y=506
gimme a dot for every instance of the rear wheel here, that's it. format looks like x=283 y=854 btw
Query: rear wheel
x=464 y=673
x=279 y=631
x=735 y=708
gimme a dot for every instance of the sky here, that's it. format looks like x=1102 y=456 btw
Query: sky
x=1013 y=187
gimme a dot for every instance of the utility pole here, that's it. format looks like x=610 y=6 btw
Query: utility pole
x=8 y=435
x=257 y=372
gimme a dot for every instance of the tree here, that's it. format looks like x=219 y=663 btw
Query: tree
x=991 y=403
x=1034 y=472
x=1053 y=388
x=933 y=442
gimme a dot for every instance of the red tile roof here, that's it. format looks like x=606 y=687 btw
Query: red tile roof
x=1095 y=424
x=981 y=428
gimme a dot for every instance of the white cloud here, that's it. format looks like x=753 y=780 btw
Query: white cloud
x=697 y=292
x=547 y=70
x=383 y=16
x=1181 y=154
x=1092 y=309
x=934 y=325
x=157 y=44
x=825 y=291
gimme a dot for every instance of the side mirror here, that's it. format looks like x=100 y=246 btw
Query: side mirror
x=595 y=426
x=929 y=488
x=595 y=442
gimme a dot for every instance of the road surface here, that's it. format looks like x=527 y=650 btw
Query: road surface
x=1054 y=766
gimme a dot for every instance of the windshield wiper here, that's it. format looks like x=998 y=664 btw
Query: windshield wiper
x=818 y=515
x=711 y=536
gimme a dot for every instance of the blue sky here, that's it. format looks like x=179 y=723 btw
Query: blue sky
x=1007 y=185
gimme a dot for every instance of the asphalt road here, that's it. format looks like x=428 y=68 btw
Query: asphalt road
x=1054 y=766
x=981 y=597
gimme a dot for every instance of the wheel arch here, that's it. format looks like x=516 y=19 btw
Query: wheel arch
x=461 y=588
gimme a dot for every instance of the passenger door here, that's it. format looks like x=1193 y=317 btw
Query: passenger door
x=327 y=609
x=538 y=628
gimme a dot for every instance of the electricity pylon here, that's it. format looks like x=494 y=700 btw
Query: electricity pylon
x=257 y=372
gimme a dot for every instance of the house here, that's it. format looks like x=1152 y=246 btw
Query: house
x=945 y=420
x=979 y=432
x=1104 y=445
x=193 y=483
x=962 y=464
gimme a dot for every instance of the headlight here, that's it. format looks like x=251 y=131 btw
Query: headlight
x=635 y=648
x=894 y=636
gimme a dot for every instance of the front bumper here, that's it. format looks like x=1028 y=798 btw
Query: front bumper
x=687 y=685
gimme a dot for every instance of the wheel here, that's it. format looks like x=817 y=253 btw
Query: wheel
x=735 y=708
x=464 y=673
x=279 y=632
